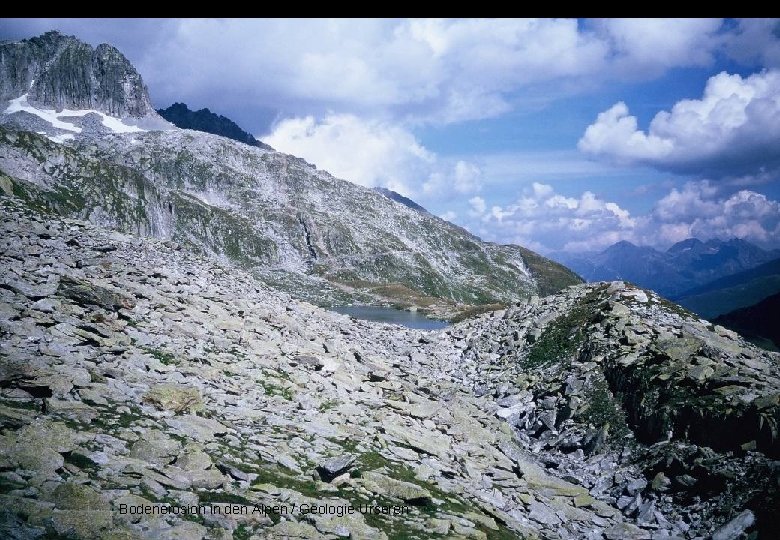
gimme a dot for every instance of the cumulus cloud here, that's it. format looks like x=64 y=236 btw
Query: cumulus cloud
x=442 y=70
x=543 y=218
x=426 y=70
x=374 y=153
x=732 y=131
x=755 y=40
x=697 y=210
x=650 y=46
x=551 y=221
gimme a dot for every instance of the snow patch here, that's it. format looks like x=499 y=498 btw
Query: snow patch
x=61 y=138
x=116 y=125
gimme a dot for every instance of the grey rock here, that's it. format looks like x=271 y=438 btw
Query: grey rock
x=85 y=293
x=334 y=467
x=199 y=428
x=59 y=71
x=734 y=528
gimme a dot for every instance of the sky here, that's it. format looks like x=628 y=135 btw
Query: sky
x=561 y=135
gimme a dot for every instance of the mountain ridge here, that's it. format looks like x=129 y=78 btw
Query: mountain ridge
x=193 y=194
x=757 y=321
x=685 y=265
x=180 y=115
x=304 y=230
x=733 y=291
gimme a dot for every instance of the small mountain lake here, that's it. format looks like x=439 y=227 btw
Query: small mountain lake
x=393 y=316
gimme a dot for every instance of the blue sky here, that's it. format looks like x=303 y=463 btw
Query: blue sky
x=555 y=134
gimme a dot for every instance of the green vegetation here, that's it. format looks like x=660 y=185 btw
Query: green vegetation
x=242 y=532
x=470 y=312
x=328 y=405
x=272 y=389
x=604 y=409
x=26 y=404
x=550 y=276
x=563 y=336
x=164 y=357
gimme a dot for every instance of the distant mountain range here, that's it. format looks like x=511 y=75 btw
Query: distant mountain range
x=758 y=322
x=180 y=115
x=733 y=292
x=684 y=266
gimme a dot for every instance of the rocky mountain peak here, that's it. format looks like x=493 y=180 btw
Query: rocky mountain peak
x=180 y=115
x=58 y=72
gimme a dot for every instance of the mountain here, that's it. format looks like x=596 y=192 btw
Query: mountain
x=757 y=322
x=300 y=229
x=161 y=375
x=63 y=86
x=181 y=116
x=733 y=292
x=683 y=266
x=136 y=374
x=397 y=197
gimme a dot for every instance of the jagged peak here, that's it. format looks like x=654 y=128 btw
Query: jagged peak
x=180 y=115
x=59 y=71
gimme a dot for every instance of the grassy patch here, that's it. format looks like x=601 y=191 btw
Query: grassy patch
x=563 y=336
x=271 y=389
x=242 y=532
x=24 y=404
x=327 y=405
x=605 y=409
x=550 y=276
x=165 y=358
x=473 y=311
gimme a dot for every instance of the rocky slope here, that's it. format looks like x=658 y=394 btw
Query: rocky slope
x=135 y=373
x=322 y=238
x=181 y=116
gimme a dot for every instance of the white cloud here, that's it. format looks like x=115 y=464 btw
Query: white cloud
x=445 y=70
x=733 y=131
x=374 y=153
x=698 y=210
x=549 y=221
x=755 y=40
x=478 y=206
x=650 y=46
x=432 y=69
x=423 y=70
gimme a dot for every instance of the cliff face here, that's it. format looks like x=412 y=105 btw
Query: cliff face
x=60 y=72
